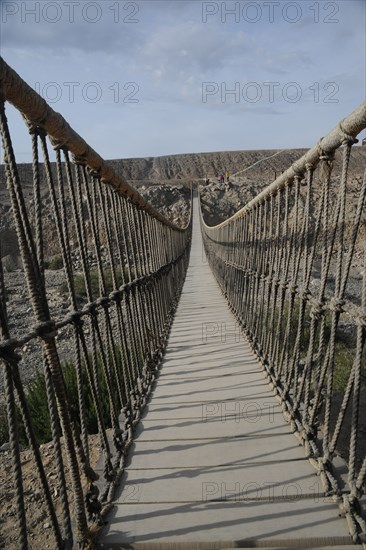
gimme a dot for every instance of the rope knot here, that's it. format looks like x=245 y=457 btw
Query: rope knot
x=308 y=430
x=102 y=302
x=90 y=308
x=75 y=318
x=127 y=287
x=46 y=330
x=317 y=310
x=323 y=154
x=324 y=461
x=276 y=281
x=79 y=160
x=327 y=156
x=292 y=288
x=92 y=172
x=347 y=139
x=298 y=171
x=304 y=294
x=282 y=283
x=336 y=304
x=118 y=439
x=38 y=121
x=34 y=128
x=58 y=144
x=309 y=166
x=116 y=296
x=92 y=502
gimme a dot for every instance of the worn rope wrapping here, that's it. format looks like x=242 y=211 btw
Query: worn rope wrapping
x=263 y=258
x=118 y=335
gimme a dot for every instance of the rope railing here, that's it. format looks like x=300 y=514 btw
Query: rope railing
x=292 y=265
x=124 y=265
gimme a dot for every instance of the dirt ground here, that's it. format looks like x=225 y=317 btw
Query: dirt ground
x=38 y=524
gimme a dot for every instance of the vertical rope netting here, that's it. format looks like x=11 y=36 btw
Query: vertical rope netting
x=40 y=308
x=9 y=362
x=13 y=364
x=37 y=199
x=285 y=264
x=117 y=330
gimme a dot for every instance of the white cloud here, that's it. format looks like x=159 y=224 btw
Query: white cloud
x=163 y=59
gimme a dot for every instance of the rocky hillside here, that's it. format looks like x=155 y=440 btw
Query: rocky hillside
x=165 y=182
x=195 y=166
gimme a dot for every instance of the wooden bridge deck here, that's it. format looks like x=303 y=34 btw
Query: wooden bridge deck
x=214 y=464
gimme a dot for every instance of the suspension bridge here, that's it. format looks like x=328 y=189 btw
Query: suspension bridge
x=211 y=357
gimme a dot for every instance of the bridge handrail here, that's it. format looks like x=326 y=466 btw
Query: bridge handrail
x=348 y=127
x=292 y=266
x=38 y=112
x=95 y=334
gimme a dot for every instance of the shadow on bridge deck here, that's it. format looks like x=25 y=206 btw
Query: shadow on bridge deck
x=214 y=464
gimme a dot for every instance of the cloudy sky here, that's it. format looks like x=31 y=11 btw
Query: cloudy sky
x=146 y=78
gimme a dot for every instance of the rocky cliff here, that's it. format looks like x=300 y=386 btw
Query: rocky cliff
x=165 y=181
